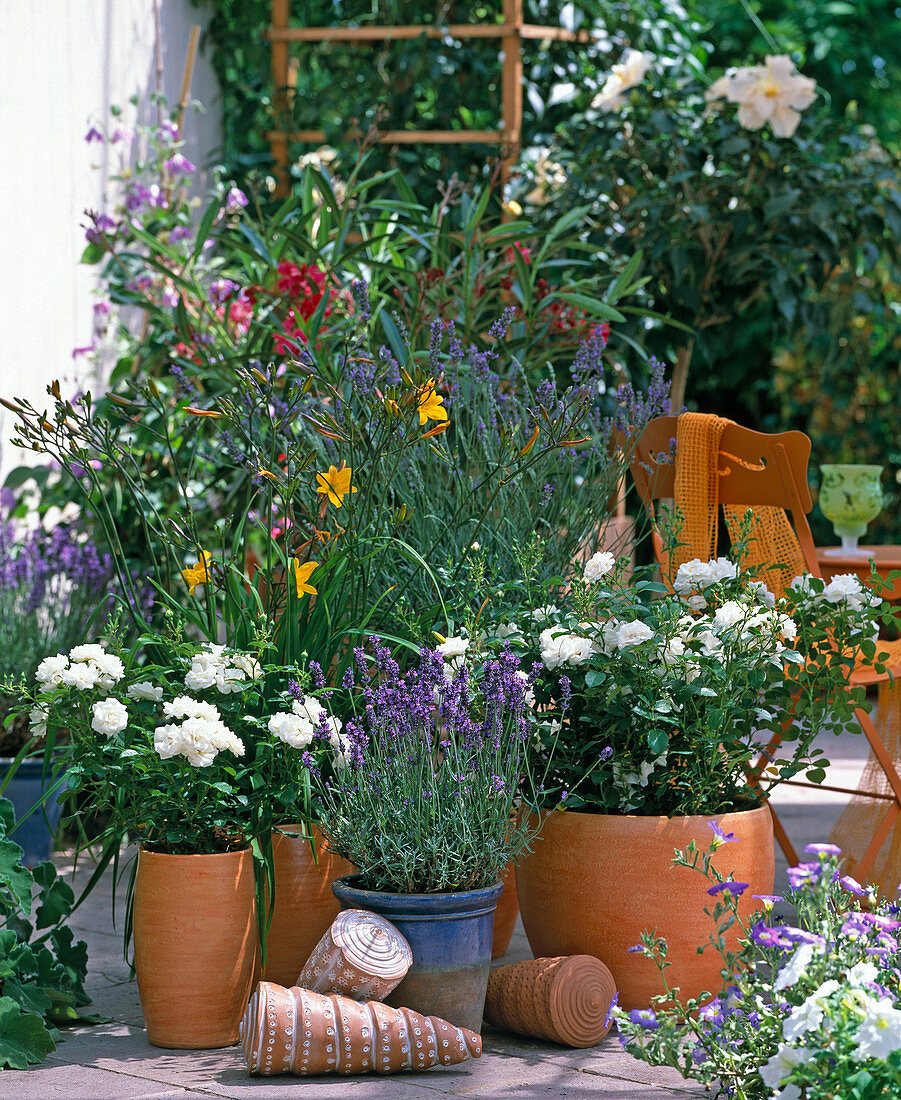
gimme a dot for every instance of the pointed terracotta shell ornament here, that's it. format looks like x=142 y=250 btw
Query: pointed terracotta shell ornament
x=301 y=1032
x=361 y=956
x=564 y=1000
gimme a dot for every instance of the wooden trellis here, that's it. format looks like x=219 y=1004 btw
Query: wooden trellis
x=511 y=32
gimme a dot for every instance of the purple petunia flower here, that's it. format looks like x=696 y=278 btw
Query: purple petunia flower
x=766 y=935
x=805 y=874
x=769 y=900
x=852 y=886
x=608 y=1019
x=178 y=165
x=733 y=889
x=235 y=200
x=645 y=1017
x=822 y=849
x=719 y=837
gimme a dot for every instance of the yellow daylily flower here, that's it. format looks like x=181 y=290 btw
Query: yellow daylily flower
x=302 y=576
x=335 y=483
x=198 y=573
x=430 y=404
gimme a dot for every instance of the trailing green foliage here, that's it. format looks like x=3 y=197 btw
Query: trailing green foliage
x=42 y=967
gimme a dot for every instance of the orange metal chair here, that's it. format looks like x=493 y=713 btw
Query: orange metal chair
x=721 y=468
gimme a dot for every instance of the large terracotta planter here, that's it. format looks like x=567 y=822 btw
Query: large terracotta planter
x=505 y=915
x=196 y=946
x=304 y=903
x=594 y=882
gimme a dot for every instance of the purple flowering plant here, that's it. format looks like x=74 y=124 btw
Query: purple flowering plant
x=56 y=588
x=436 y=772
x=810 y=1004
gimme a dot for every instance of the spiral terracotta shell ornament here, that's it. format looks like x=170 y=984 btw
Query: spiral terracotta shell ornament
x=304 y=1033
x=564 y=1000
x=361 y=956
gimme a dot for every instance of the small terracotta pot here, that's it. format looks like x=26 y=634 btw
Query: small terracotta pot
x=565 y=1000
x=506 y=913
x=594 y=882
x=196 y=946
x=304 y=903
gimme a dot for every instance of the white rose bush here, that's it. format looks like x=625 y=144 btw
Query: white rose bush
x=658 y=700
x=188 y=748
x=810 y=1007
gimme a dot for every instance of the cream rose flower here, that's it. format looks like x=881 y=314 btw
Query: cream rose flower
x=774 y=92
x=599 y=566
x=145 y=690
x=83 y=677
x=294 y=729
x=632 y=633
x=49 y=673
x=627 y=74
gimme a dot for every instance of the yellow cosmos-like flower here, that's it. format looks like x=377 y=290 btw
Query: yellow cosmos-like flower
x=302 y=576
x=198 y=573
x=335 y=483
x=430 y=404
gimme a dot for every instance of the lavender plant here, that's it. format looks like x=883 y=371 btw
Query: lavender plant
x=809 y=1010
x=55 y=588
x=437 y=766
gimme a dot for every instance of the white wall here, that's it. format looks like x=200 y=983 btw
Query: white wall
x=63 y=63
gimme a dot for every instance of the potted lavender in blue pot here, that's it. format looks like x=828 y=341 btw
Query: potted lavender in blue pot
x=55 y=588
x=427 y=810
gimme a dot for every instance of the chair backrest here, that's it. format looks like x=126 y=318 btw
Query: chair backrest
x=753 y=470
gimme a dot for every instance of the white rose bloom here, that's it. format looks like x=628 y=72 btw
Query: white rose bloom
x=575 y=649
x=229 y=680
x=250 y=666
x=230 y=742
x=49 y=673
x=774 y=92
x=599 y=566
x=167 y=740
x=710 y=642
x=696 y=602
x=145 y=690
x=729 y=614
x=671 y=651
x=185 y=707
x=788 y=628
x=82 y=677
x=508 y=632
x=91 y=652
x=203 y=671
x=633 y=633
x=692 y=575
x=543 y=614
x=110 y=717
x=295 y=730
x=763 y=594
x=453 y=647
x=37 y=720
x=110 y=667
x=196 y=742
x=627 y=74
x=846 y=588
x=721 y=569
x=880 y=1033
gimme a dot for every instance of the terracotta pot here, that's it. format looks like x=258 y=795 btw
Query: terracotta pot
x=304 y=903
x=506 y=913
x=594 y=882
x=196 y=946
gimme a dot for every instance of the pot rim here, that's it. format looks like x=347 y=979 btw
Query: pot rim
x=144 y=850
x=655 y=817
x=447 y=903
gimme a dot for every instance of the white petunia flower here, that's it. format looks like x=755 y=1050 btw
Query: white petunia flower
x=599 y=566
x=809 y=1015
x=880 y=1033
x=145 y=690
x=627 y=74
x=861 y=974
x=795 y=968
x=780 y=1066
x=110 y=717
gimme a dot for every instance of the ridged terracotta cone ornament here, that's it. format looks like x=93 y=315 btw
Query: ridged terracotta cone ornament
x=305 y=1033
x=304 y=903
x=564 y=1000
x=362 y=956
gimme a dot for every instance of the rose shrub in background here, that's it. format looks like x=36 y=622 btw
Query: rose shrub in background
x=810 y=1007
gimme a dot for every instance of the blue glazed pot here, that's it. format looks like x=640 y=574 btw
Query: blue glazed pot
x=450 y=937
x=35 y=834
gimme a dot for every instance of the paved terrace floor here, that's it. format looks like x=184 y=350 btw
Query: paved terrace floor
x=115 y=1061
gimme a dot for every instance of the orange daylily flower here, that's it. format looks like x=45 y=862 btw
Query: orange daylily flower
x=302 y=576
x=430 y=404
x=335 y=483
x=197 y=574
